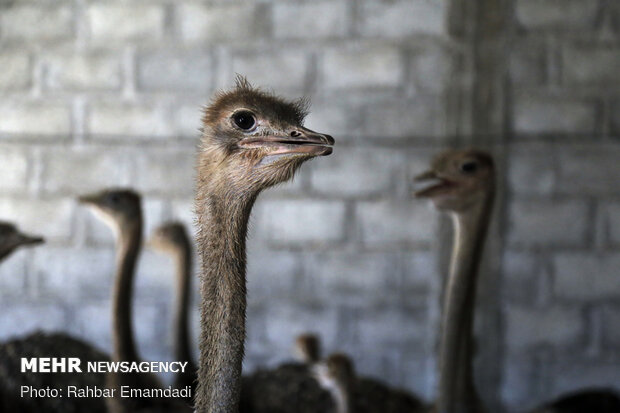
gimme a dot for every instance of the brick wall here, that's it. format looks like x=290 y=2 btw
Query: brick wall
x=108 y=93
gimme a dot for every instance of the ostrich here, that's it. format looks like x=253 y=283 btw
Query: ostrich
x=172 y=239
x=42 y=344
x=463 y=184
x=307 y=348
x=337 y=375
x=121 y=210
x=251 y=140
x=465 y=187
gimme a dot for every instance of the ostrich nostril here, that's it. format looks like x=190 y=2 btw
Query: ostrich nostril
x=295 y=134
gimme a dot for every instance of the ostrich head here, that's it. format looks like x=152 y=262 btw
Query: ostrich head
x=11 y=238
x=458 y=179
x=308 y=348
x=169 y=237
x=118 y=208
x=253 y=139
x=336 y=371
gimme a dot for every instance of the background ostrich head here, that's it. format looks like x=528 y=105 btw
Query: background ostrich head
x=117 y=207
x=11 y=238
x=458 y=179
x=253 y=139
x=337 y=370
x=307 y=348
x=169 y=237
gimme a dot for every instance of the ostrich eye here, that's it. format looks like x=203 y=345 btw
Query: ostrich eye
x=469 y=167
x=244 y=119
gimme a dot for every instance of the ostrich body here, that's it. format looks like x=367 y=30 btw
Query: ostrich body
x=172 y=238
x=121 y=210
x=251 y=140
x=42 y=344
x=464 y=186
x=596 y=400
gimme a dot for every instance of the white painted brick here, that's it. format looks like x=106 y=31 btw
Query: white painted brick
x=356 y=274
x=83 y=72
x=520 y=271
x=589 y=64
x=432 y=70
x=527 y=327
x=390 y=221
x=51 y=218
x=16 y=71
x=175 y=71
x=362 y=67
x=78 y=170
x=403 y=17
x=186 y=119
x=276 y=70
x=615 y=117
x=284 y=322
x=35 y=118
x=611 y=215
x=200 y=22
x=420 y=270
x=128 y=119
x=575 y=376
x=94 y=323
x=13 y=169
x=518 y=377
x=611 y=327
x=391 y=325
x=355 y=172
x=584 y=169
x=17 y=319
x=183 y=210
x=73 y=273
x=545 y=222
x=540 y=115
x=586 y=276
x=531 y=170
x=320 y=19
x=14 y=275
x=154 y=173
x=528 y=63
x=337 y=120
x=301 y=221
x=37 y=22
x=271 y=273
x=125 y=22
x=565 y=14
x=422 y=118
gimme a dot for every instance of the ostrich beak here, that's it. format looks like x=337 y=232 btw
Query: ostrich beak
x=299 y=140
x=88 y=199
x=25 y=239
x=432 y=184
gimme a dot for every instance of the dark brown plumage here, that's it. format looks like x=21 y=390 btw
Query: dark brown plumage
x=596 y=400
x=251 y=140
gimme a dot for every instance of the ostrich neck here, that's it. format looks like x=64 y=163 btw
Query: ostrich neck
x=223 y=225
x=342 y=394
x=127 y=254
x=456 y=388
x=183 y=263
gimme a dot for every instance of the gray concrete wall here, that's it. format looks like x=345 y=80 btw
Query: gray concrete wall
x=109 y=93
